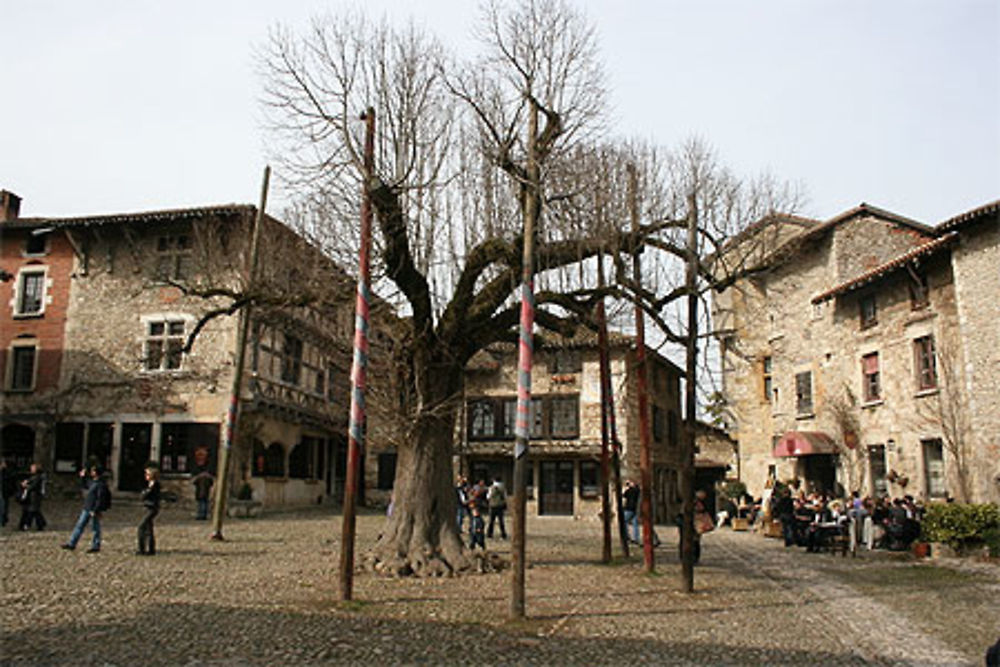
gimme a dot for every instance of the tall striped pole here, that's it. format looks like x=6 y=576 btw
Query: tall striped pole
x=530 y=205
x=356 y=427
x=222 y=488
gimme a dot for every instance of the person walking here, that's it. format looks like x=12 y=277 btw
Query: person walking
x=630 y=508
x=95 y=502
x=151 y=502
x=203 y=482
x=496 y=498
x=32 y=493
x=477 y=529
x=462 y=498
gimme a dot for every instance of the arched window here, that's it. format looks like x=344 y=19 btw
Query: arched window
x=274 y=460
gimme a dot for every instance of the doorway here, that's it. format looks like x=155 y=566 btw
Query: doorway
x=136 y=440
x=556 y=495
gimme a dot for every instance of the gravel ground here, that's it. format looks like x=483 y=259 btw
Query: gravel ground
x=269 y=594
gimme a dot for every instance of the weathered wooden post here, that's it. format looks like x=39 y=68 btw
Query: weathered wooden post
x=232 y=416
x=642 y=388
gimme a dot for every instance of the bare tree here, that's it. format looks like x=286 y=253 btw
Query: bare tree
x=948 y=411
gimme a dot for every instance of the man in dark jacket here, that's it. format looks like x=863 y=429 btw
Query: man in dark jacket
x=151 y=503
x=32 y=492
x=95 y=501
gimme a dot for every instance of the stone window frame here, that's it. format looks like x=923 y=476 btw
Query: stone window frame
x=767 y=377
x=169 y=337
x=804 y=393
x=925 y=362
x=20 y=291
x=174 y=252
x=16 y=350
x=868 y=310
x=489 y=417
x=871 y=382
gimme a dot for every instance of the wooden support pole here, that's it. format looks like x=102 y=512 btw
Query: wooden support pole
x=222 y=487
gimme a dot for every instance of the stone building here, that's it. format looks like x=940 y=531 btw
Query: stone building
x=107 y=321
x=565 y=448
x=860 y=354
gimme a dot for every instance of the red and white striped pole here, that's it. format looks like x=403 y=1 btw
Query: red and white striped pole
x=356 y=428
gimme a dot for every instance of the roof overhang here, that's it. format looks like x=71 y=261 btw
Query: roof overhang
x=804 y=443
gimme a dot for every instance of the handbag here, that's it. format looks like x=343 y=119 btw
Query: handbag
x=703 y=523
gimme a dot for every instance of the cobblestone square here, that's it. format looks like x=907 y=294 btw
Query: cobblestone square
x=269 y=595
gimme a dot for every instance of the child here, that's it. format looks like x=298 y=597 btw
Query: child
x=151 y=502
x=478 y=529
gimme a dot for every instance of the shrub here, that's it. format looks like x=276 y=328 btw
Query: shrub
x=959 y=525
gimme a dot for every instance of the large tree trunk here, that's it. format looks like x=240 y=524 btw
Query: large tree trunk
x=420 y=536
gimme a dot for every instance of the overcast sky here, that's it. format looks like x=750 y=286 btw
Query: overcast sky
x=113 y=106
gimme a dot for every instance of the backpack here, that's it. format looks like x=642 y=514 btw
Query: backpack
x=104 y=498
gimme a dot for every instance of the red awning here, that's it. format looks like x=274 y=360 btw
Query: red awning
x=803 y=443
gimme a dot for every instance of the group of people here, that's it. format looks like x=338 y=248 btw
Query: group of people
x=97 y=500
x=476 y=500
x=811 y=520
x=95 y=490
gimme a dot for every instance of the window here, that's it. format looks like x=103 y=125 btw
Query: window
x=274 y=460
x=30 y=292
x=291 y=359
x=768 y=381
x=69 y=446
x=672 y=428
x=331 y=394
x=508 y=428
x=803 y=393
x=164 y=344
x=934 y=468
x=173 y=256
x=188 y=447
x=877 y=468
x=565 y=417
x=869 y=313
x=870 y=377
x=565 y=361
x=919 y=290
x=302 y=460
x=537 y=418
x=482 y=419
x=925 y=363
x=320 y=382
x=658 y=424
x=590 y=479
x=23 y=359
x=386 y=470
x=35 y=243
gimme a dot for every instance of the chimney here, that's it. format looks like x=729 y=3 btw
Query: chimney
x=10 y=206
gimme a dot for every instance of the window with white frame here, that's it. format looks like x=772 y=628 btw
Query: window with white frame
x=30 y=298
x=22 y=362
x=164 y=343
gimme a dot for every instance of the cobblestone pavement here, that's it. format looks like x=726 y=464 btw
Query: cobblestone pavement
x=269 y=594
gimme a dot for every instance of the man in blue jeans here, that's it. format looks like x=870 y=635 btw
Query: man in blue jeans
x=630 y=508
x=94 y=502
